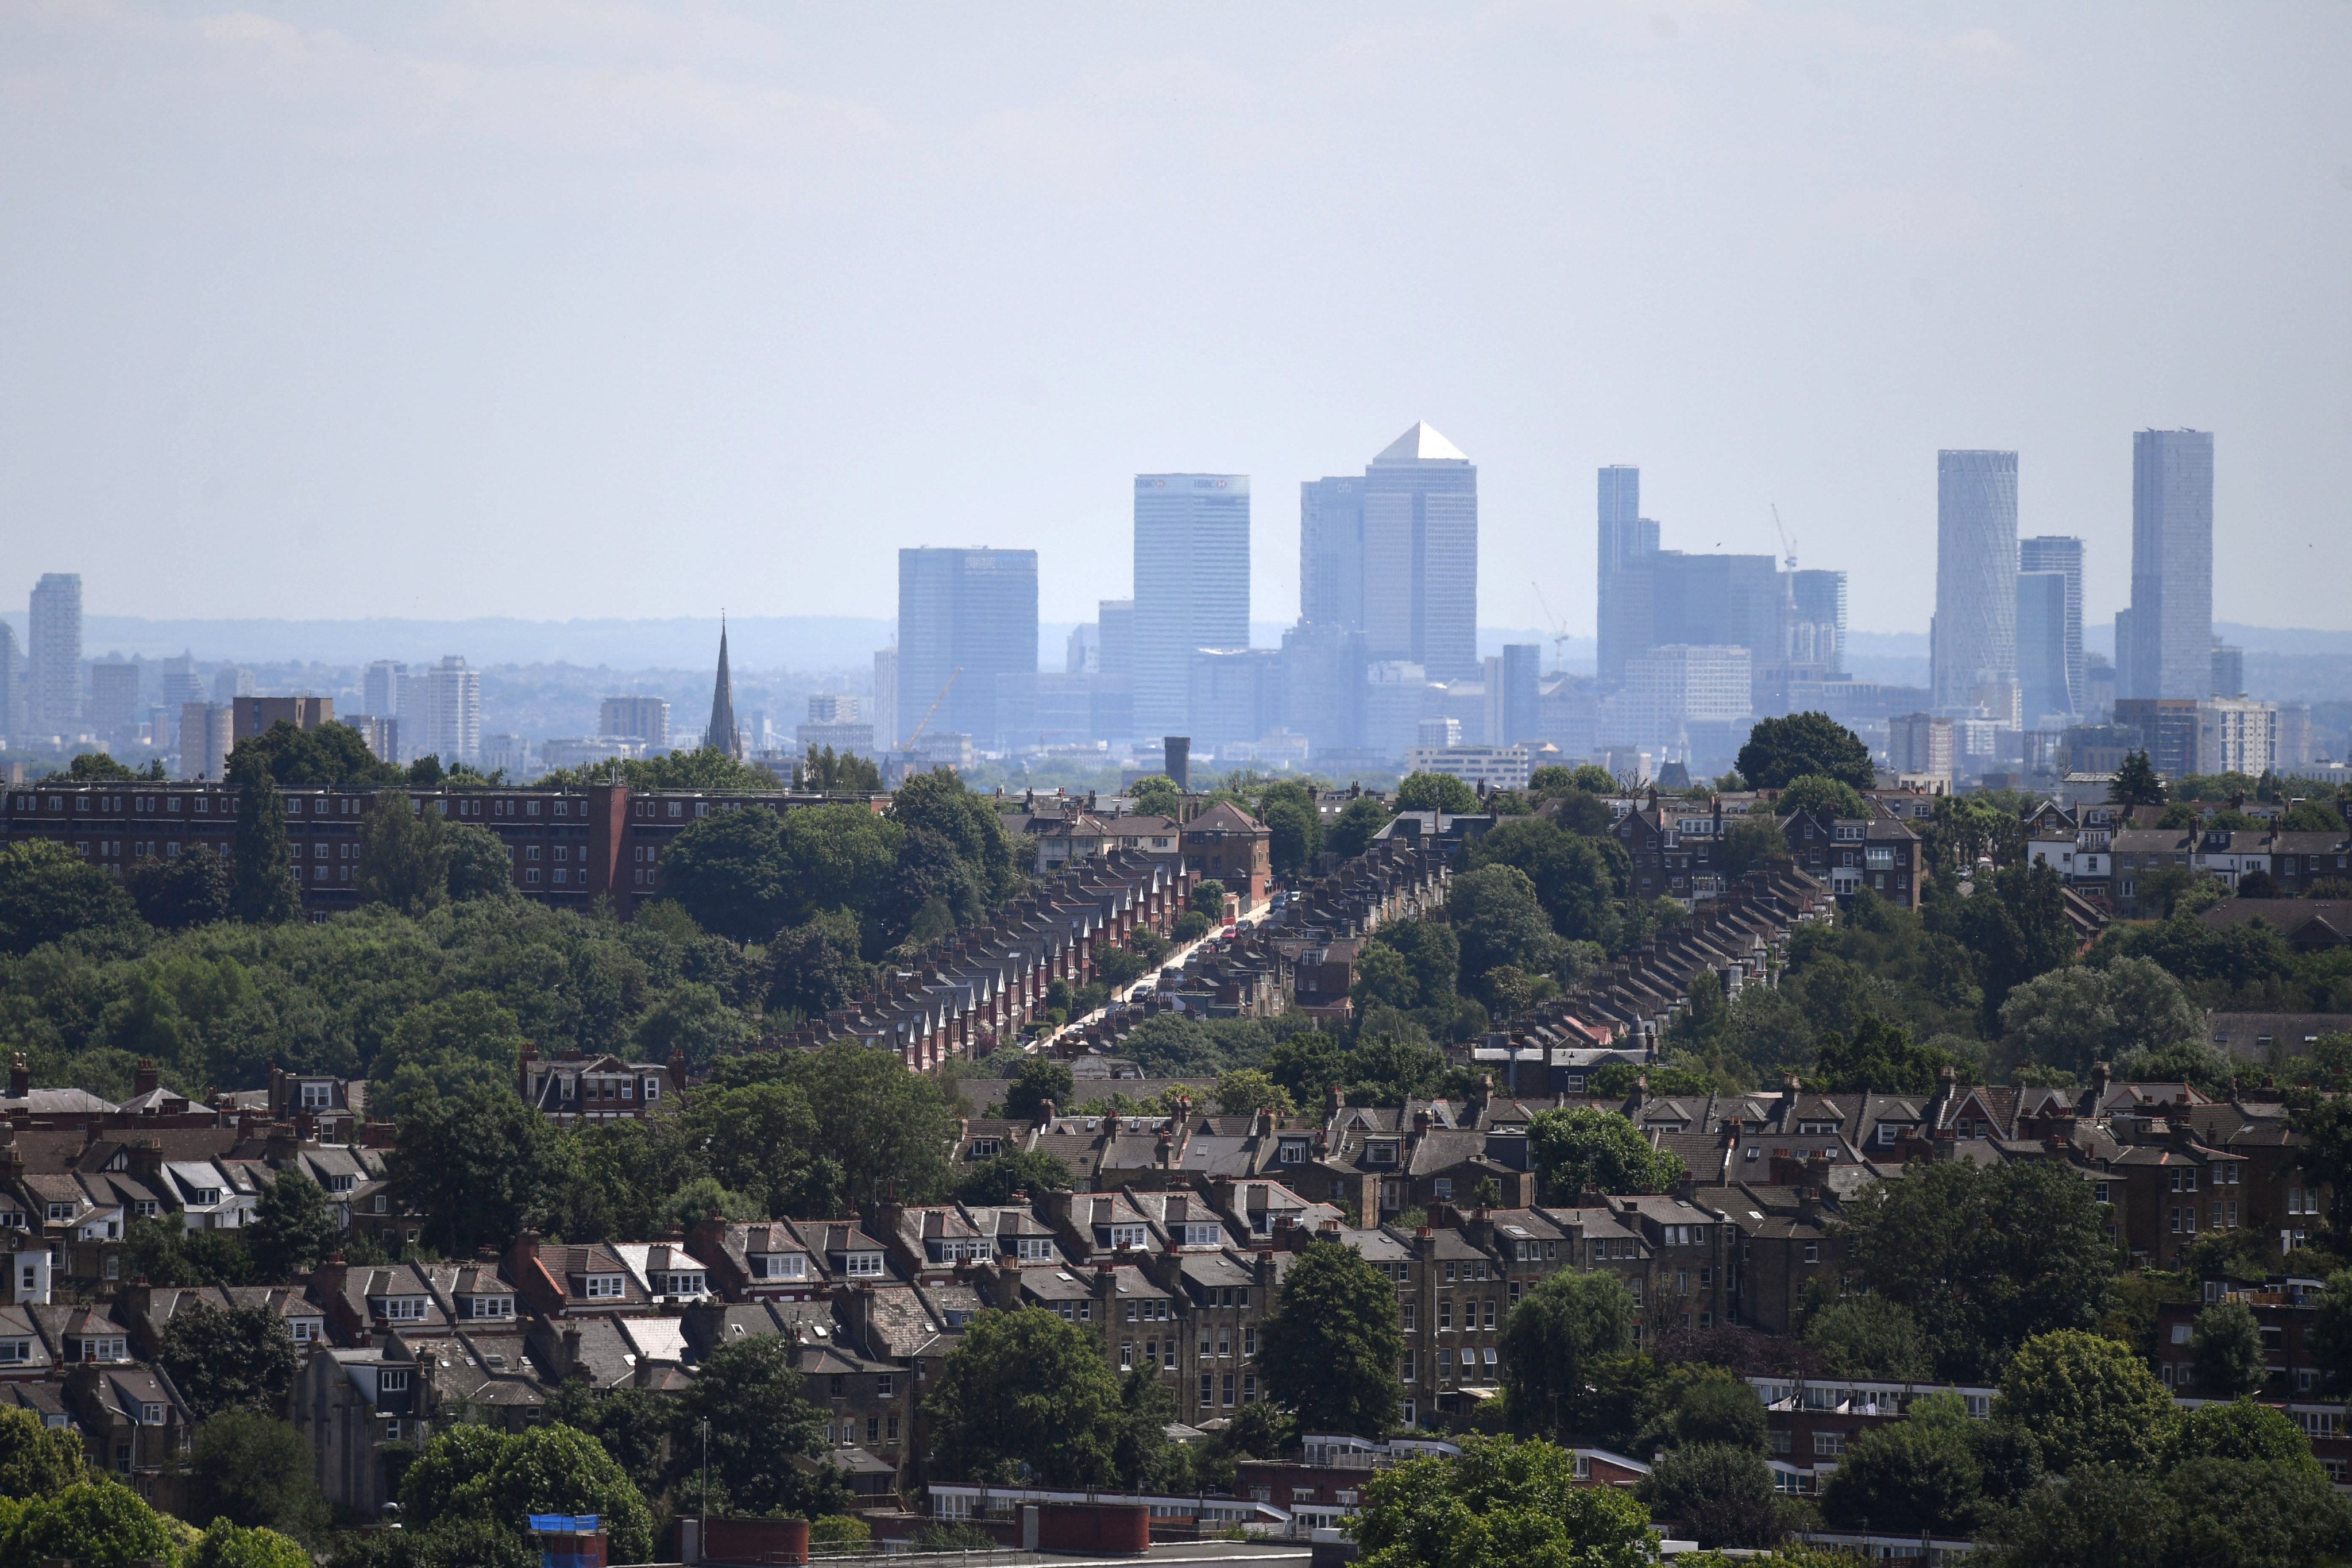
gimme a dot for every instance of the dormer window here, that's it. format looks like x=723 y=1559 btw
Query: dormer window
x=1294 y=1152
x=987 y=1148
x=1202 y=1235
x=479 y=1308
x=1035 y=1249
x=341 y=1183
x=683 y=1283
x=864 y=1265
x=318 y=1096
x=1128 y=1236
x=150 y=1414
x=602 y=1287
x=778 y=1265
x=393 y=1380
x=398 y=1309
x=1379 y=1154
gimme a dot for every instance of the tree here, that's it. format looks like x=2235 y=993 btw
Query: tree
x=1293 y=833
x=1360 y=820
x=1245 y=1092
x=1141 y=1455
x=816 y=966
x=168 y=1253
x=1502 y=1504
x=1983 y=1258
x=1780 y=750
x=749 y=1392
x=2227 y=1350
x=253 y=1470
x=35 y=1459
x=1823 y=796
x=2019 y=928
x=404 y=853
x=1570 y=876
x=1550 y=1341
x=471 y=1475
x=844 y=773
x=329 y=754
x=694 y=1022
x=1590 y=1150
x=2250 y=1515
x=732 y=873
x=1498 y=919
x=939 y=803
x=1156 y=796
x=1752 y=841
x=885 y=1129
x=1913 y=1478
x=2086 y=1400
x=2104 y=1516
x=1436 y=792
x=260 y=860
x=47 y=893
x=227 y=1545
x=1039 y=1082
x=1721 y=1492
x=2135 y=783
x=292 y=1228
x=479 y=1169
x=1879 y=1056
x=1307 y=1064
x=1700 y=1405
x=1001 y=1179
x=1869 y=1337
x=1025 y=1398
x=174 y=895
x=94 y=1523
x=1330 y=1345
x=230 y=1358
x=2239 y=1429
x=479 y=863
x=454 y=1044
x=2329 y=1338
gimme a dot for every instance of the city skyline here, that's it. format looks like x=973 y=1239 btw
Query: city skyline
x=532 y=337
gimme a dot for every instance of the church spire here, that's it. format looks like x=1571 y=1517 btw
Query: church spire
x=722 y=732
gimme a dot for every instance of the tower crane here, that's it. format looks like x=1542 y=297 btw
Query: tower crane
x=933 y=709
x=1788 y=545
x=1559 y=627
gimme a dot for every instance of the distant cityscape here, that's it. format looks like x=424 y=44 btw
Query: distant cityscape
x=1381 y=673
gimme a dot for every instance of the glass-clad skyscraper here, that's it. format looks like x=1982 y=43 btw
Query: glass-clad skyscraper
x=1192 y=587
x=2166 y=646
x=2062 y=555
x=965 y=618
x=1973 y=640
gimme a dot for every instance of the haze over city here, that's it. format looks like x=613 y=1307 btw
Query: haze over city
x=626 y=310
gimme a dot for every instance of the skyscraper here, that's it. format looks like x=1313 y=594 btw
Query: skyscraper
x=1331 y=552
x=1973 y=639
x=54 y=693
x=12 y=680
x=2170 y=648
x=1628 y=543
x=2058 y=553
x=965 y=616
x=721 y=732
x=452 y=726
x=380 y=686
x=1420 y=555
x=1192 y=587
x=2041 y=646
x=1815 y=633
x=1520 y=701
x=887 y=732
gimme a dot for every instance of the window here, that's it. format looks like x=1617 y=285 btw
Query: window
x=1828 y=1444
x=1813 y=1252
x=399 y=1308
x=865 y=1265
x=602 y=1287
x=1411 y=1317
x=1444 y=1187
x=395 y=1379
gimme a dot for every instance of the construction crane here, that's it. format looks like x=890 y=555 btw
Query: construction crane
x=933 y=709
x=1788 y=545
x=1559 y=627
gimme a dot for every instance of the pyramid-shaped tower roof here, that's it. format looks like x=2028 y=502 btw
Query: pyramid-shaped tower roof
x=722 y=732
x=1421 y=444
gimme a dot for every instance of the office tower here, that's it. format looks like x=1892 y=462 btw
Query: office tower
x=380 y=686
x=722 y=733
x=207 y=732
x=179 y=681
x=2166 y=728
x=229 y=683
x=1233 y=695
x=1628 y=541
x=1973 y=638
x=1813 y=636
x=54 y=644
x=1681 y=697
x=2041 y=646
x=965 y=616
x=1323 y=686
x=1920 y=745
x=2059 y=553
x=452 y=713
x=2229 y=670
x=1192 y=585
x=1116 y=650
x=12 y=680
x=1420 y=555
x=1082 y=653
x=113 y=697
x=643 y=719
x=1331 y=552
x=1515 y=695
x=2170 y=653
x=1394 y=691
x=887 y=734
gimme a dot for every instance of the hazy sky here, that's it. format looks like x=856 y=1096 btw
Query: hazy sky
x=558 y=310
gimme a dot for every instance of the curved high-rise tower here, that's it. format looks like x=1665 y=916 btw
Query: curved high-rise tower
x=1974 y=641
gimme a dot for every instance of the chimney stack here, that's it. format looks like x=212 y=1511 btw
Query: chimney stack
x=144 y=1080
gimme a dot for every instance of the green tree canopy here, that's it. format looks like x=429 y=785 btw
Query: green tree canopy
x=493 y=1481
x=1502 y=1504
x=264 y=890
x=330 y=754
x=98 y=1523
x=404 y=853
x=1039 y=1081
x=1436 y=792
x=1983 y=1258
x=2237 y=1429
x=1911 y=1477
x=1245 y=1090
x=1360 y=820
x=1330 y=1345
x=816 y=966
x=1721 y=1492
x=749 y=1392
x=1752 y=841
x=996 y=1180
x=292 y=1228
x=1823 y=797
x=1590 y=1150
x=227 y=1545
x=176 y=894
x=228 y=1358
x=1869 y=1337
x=1025 y=1398
x=2226 y=1349
x=1879 y=1056
x=1551 y=1343
x=1568 y=872
x=1498 y=919
x=1781 y=749
x=2135 y=783
x=255 y=1471
x=2086 y=1400
x=47 y=893
x=479 y=1168
x=35 y=1459
x=1156 y=795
